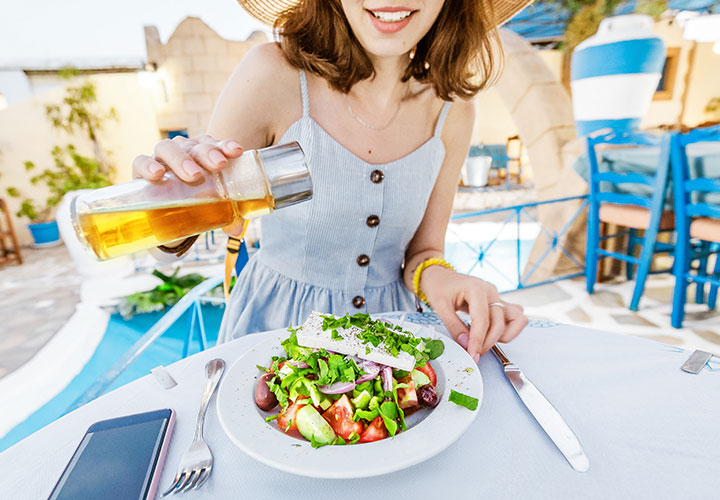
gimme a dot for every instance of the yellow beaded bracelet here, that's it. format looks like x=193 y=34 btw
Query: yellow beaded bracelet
x=433 y=261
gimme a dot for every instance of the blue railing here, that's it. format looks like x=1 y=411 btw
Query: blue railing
x=192 y=301
x=553 y=239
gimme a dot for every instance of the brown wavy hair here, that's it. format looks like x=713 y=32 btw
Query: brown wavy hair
x=315 y=36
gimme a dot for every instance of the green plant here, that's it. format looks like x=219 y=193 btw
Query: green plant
x=77 y=112
x=167 y=294
x=71 y=171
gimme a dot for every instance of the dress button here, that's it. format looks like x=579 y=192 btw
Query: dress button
x=358 y=302
x=363 y=260
x=373 y=221
x=377 y=176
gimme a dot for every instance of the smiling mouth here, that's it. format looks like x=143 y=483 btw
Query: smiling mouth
x=391 y=17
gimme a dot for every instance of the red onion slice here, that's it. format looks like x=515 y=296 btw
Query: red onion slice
x=387 y=379
x=337 y=388
x=370 y=373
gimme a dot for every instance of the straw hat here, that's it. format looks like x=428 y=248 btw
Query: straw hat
x=267 y=11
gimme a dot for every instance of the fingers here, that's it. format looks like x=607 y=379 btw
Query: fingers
x=516 y=321
x=480 y=316
x=497 y=328
x=211 y=154
x=458 y=330
x=172 y=154
x=235 y=229
x=188 y=158
x=145 y=167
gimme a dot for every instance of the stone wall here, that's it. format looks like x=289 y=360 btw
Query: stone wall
x=192 y=68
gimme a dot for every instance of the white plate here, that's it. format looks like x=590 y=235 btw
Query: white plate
x=429 y=431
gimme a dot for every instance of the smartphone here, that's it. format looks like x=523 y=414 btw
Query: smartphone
x=118 y=459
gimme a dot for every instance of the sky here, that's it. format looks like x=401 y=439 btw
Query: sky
x=58 y=32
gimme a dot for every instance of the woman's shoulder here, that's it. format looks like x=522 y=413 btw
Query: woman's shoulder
x=267 y=88
x=265 y=64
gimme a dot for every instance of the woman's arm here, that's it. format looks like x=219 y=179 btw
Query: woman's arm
x=446 y=290
x=259 y=101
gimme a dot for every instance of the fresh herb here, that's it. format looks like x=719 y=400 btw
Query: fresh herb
x=271 y=418
x=263 y=369
x=289 y=425
x=463 y=400
x=376 y=332
x=434 y=348
x=469 y=370
x=400 y=374
x=389 y=412
x=335 y=335
x=296 y=445
x=401 y=413
x=340 y=441
x=315 y=443
x=354 y=437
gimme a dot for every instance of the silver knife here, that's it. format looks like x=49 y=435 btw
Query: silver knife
x=545 y=413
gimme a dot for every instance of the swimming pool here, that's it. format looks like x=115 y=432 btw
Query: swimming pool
x=463 y=244
x=119 y=336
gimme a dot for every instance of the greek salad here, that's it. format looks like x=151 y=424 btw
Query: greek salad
x=346 y=380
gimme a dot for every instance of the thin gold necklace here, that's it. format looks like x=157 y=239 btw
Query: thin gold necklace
x=366 y=124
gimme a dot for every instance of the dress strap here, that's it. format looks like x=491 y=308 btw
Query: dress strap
x=441 y=118
x=304 y=94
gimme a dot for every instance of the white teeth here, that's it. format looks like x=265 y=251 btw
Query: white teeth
x=391 y=17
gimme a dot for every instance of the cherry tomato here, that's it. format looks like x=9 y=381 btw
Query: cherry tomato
x=375 y=431
x=339 y=416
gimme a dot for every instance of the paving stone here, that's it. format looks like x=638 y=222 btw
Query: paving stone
x=659 y=294
x=701 y=315
x=538 y=296
x=632 y=319
x=607 y=299
x=665 y=339
x=578 y=315
x=708 y=335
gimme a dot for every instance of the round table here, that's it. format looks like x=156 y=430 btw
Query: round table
x=650 y=430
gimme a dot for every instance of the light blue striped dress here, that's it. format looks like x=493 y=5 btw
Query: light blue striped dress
x=343 y=250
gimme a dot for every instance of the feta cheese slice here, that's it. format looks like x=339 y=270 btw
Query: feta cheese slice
x=312 y=335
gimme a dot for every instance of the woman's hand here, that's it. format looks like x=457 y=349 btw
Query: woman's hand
x=448 y=292
x=187 y=158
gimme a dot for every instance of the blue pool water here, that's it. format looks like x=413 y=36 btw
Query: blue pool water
x=498 y=266
x=119 y=336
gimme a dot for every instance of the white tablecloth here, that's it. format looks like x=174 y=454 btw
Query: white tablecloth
x=650 y=431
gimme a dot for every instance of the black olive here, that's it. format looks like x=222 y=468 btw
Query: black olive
x=428 y=396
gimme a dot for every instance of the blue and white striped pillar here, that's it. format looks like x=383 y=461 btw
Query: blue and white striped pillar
x=615 y=73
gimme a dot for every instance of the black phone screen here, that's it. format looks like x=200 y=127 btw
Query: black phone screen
x=115 y=460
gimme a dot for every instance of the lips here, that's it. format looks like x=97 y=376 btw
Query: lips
x=390 y=20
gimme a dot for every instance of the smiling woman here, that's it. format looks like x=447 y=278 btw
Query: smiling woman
x=449 y=43
x=377 y=94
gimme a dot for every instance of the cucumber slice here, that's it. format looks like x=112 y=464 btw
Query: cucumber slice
x=419 y=378
x=325 y=403
x=313 y=426
x=362 y=400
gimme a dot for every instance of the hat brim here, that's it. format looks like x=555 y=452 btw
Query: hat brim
x=266 y=11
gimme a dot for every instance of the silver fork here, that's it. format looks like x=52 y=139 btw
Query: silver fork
x=196 y=463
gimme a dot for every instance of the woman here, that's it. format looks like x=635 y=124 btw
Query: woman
x=378 y=97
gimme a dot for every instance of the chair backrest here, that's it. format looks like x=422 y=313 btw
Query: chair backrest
x=607 y=186
x=689 y=189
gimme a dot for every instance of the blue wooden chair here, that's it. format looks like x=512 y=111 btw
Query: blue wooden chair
x=696 y=219
x=612 y=202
